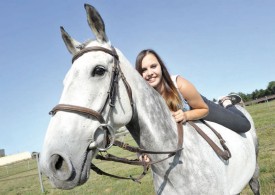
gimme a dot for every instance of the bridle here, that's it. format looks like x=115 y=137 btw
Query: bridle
x=111 y=97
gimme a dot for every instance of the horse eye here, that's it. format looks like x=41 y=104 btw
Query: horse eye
x=98 y=71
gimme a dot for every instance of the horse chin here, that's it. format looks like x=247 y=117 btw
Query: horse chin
x=79 y=177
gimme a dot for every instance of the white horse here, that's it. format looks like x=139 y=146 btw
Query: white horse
x=77 y=129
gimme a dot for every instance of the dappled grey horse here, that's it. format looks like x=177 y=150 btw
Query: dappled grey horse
x=102 y=93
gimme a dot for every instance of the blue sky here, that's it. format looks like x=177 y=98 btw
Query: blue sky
x=220 y=46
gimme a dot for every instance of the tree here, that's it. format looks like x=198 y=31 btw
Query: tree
x=244 y=96
x=256 y=94
x=271 y=87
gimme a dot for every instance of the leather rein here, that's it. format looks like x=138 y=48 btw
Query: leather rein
x=110 y=135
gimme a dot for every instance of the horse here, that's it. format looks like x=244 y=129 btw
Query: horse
x=102 y=93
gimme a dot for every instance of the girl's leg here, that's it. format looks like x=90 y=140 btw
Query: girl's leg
x=229 y=117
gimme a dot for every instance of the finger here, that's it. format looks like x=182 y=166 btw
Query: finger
x=146 y=158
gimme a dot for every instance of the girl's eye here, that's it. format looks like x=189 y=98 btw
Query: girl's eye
x=98 y=71
x=143 y=70
x=153 y=66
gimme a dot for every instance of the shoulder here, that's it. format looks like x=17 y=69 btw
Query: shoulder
x=187 y=89
x=182 y=82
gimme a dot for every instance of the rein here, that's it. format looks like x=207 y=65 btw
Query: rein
x=224 y=154
x=146 y=165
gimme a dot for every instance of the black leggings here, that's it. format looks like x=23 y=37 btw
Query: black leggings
x=229 y=117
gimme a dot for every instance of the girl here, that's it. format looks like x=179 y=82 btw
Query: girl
x=184 y=101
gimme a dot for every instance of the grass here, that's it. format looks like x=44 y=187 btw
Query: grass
x=264 y=117
x=22 y=178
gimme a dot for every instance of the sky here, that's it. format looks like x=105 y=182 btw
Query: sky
x=220 y=46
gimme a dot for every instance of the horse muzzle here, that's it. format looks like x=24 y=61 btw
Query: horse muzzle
x=64 y=173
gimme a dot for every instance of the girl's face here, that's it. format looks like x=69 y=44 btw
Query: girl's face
x=151 y=71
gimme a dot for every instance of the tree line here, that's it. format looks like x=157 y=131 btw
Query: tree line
x=270 y=90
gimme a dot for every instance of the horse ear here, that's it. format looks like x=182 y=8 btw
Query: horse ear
x=71 y=44
x=96 y=23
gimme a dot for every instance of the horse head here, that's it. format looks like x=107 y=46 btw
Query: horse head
x=96 y=100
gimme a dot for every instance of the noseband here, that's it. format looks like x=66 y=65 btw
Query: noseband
x=111 y=98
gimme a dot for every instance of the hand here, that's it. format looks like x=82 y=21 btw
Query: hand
x=179 y=116
x=144 y=157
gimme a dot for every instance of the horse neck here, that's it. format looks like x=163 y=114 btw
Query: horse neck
x=152 y=125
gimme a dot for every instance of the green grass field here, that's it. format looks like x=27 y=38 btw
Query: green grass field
x=22 y=178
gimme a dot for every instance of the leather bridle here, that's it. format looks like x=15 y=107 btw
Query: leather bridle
x=111 y=98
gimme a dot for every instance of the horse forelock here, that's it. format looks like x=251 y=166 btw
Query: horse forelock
x=92 y=42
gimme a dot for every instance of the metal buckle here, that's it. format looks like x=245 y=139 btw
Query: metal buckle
x=110 y=136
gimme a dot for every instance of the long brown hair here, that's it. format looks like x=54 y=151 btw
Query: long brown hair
x=170 y=93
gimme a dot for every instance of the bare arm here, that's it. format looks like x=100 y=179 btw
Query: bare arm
x=194 y=99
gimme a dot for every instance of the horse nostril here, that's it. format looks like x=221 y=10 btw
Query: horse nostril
x=61 y=167
x=60 y=164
